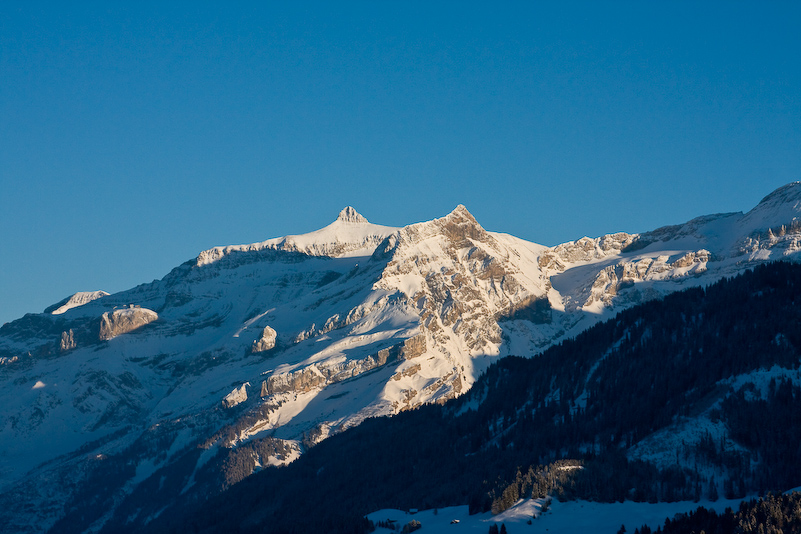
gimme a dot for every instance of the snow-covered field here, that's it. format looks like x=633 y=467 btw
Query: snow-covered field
x=572 y=517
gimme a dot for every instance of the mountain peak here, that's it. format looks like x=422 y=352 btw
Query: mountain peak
x=462 y=228
x=349 y=235
x=786 y=193
x=780 y=208
x=350 y=215
x=460 y=213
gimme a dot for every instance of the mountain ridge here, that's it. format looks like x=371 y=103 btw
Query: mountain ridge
x=351 y=321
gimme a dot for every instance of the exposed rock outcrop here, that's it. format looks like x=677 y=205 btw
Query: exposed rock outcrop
x=785 y=238
x=299 y=381
x=122 y=321
x=463 y=278
x=585 y=249
x=321 y=374
x=237 y=396
x=265 y=342
x=611 y=280
x=409 y=371
x=67 y=341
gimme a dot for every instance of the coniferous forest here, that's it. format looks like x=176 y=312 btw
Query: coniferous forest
x=774 y=514
x=587 y=402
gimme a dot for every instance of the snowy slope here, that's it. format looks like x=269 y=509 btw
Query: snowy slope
x=571 y=517
x=299 y=337
x=348 y=236
x=78 y=299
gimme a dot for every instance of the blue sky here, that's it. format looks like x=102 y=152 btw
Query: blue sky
x=131 y=138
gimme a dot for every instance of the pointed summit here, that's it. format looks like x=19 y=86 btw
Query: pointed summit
x=460 y=213
x=350 y=215
x=462 y=228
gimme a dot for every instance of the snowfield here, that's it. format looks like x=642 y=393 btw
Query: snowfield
x=571 y=517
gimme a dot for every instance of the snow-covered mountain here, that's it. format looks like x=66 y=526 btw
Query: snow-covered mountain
x=299 y=337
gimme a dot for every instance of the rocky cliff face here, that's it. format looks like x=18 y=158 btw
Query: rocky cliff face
x=612 y=280
x=586 y=250
x=118 y=322
x=319 y=375
x=352 y=321
x=237 y=396
x=459 y=279
x=266 y=341
x=67 y=340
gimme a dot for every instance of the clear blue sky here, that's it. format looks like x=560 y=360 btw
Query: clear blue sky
x=131 y=138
